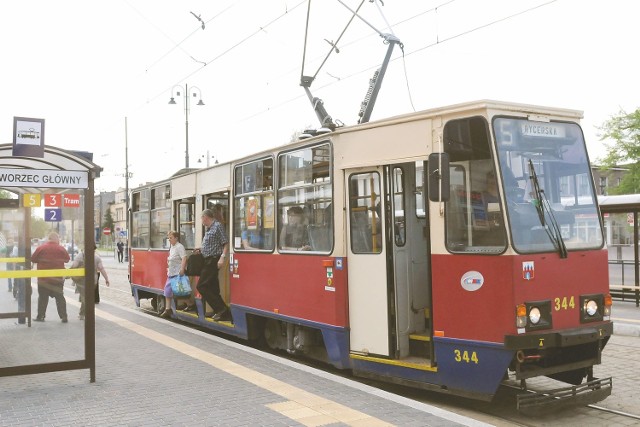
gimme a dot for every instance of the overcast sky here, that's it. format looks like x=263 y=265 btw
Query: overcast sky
x=84 y=66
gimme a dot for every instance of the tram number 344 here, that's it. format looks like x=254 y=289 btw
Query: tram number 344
x=564 y=303
x=465 y=356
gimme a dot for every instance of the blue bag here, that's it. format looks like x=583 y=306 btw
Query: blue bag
x=180 y=286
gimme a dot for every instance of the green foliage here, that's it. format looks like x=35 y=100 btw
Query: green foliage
x=4 y=194
x=108 y=221
x=39 y=228
x=624 y=130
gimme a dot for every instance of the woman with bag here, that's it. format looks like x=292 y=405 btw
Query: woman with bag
x=176 y=264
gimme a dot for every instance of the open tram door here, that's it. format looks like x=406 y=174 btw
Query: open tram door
x=387 y=257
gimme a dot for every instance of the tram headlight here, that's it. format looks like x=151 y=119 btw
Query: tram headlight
x=534 y=315
x=591 y=307
x=594 y=308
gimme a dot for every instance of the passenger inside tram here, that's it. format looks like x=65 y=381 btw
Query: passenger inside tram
x=294 y=235
x=252 y=239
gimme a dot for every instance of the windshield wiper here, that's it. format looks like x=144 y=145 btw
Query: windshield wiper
x=542 y=204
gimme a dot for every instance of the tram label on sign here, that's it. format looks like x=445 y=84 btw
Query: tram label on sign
x=53 y=200
x=71 y=200
x=39 y=178
x=31 y=200
x=53 y=214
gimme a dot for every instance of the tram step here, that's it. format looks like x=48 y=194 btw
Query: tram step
x=419 y=344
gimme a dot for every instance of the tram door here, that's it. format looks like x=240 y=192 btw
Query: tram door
x=386 y=260
x=369 y=314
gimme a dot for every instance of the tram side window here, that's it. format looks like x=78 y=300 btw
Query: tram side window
x=364 y=213
x=399 y=220
x=140 y=219
x=186 y=223
x=254 y=206
x=305 y=218
x=473 y=214
x=160 y=217
x=221 y=199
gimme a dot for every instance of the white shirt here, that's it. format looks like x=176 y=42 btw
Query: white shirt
x=174 y=260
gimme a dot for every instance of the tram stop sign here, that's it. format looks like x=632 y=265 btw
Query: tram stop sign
x=106 y=231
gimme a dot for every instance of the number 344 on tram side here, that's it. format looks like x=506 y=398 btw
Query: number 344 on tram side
x=453 y=249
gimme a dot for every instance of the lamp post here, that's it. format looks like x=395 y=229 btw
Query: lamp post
x=186 y=113
x=126 y=188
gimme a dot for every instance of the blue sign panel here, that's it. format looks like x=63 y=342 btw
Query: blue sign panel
x=53 y=214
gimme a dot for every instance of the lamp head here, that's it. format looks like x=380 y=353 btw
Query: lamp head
x=172 y=101
x=200 y=102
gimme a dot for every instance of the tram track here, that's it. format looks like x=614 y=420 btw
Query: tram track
x=614 y=411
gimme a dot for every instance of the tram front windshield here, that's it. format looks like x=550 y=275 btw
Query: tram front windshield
x=549 y=194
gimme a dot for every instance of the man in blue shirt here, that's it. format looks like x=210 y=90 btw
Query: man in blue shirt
x=215 y=247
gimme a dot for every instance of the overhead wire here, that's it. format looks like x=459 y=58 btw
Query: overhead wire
x=336 y=42
x=369 y=68
x=217 y=57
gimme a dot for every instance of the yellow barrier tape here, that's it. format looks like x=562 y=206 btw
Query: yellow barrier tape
x=13 y=260
x=24 y=274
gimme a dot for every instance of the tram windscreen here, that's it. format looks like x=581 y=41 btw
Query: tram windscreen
x=548 y=186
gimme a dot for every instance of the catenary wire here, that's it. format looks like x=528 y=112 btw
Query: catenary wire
x=369 y=68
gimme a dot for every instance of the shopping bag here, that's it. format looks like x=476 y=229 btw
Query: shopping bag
x=180 y=286
x=195 y=262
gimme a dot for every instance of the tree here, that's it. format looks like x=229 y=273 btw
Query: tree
x=624 y=130
x=108 y=221
x=39 y=228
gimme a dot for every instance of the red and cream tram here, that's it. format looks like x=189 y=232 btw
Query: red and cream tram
x=447 y=249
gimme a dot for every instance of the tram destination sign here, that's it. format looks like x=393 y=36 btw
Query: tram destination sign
x=43 y=178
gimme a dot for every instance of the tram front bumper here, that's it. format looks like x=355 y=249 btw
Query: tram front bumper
x=554 y=339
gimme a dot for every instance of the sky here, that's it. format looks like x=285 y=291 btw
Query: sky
x=83 y=66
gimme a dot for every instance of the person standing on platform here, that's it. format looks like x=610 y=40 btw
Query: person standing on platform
x=120 y=246
x=51 y=256
x=176 y=264
x=214 y=249
x=80 y=281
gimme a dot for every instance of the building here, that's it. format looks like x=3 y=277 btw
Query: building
x=119 y=215
x=102 y=203
x=604 y=180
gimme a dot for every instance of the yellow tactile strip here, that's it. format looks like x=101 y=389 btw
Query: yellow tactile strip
x=301 y=406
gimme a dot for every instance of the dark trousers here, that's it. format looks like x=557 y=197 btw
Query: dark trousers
x=46 y=291
x=120 y=256
x=209 y=286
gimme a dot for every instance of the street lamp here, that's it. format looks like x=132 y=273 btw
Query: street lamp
x=186 y=113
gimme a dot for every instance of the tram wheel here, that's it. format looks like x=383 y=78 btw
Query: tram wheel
x=160 y=303
x=272 y=333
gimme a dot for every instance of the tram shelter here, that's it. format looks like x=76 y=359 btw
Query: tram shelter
x=620 y=216
x=50 y=192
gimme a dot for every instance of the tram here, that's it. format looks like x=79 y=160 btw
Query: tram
x=448 y=250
